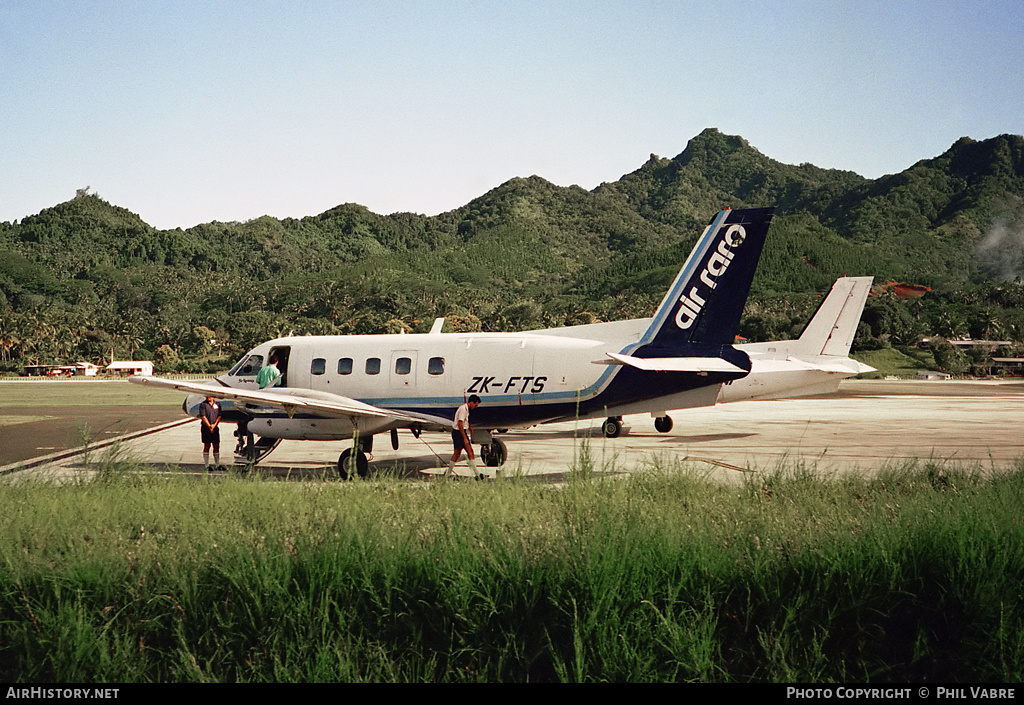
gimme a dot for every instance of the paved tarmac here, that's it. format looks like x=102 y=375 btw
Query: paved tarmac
x=867 y=426
x=27 y=433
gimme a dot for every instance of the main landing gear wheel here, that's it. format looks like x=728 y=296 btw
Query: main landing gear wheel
x=663 y=424
x=495 y=454
x=351 y=464
x=612 y=427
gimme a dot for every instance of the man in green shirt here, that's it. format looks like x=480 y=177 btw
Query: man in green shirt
x=269 y=376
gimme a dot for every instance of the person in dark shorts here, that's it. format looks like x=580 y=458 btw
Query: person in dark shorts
x=462 y=432
x=209 y=419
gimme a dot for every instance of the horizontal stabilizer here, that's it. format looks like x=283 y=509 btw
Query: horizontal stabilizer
x=677 y=364
x=844 y=366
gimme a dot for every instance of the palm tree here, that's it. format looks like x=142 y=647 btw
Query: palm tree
x=950 y=325
x=992 y=325
x=8 y=339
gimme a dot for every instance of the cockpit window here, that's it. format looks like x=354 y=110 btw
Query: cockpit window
x=247 y=366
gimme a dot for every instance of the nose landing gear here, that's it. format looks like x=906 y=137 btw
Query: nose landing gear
x=254 y=449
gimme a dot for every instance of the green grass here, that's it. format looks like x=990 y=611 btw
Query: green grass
x=663 y=575
x=890 y=361
x=74 y=392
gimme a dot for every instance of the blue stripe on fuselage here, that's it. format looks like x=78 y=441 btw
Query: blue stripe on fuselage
x=625 y=385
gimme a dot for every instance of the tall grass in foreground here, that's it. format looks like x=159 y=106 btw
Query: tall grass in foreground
x=915 y=574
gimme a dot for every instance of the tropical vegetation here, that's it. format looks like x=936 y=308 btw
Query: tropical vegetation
x=86 y=279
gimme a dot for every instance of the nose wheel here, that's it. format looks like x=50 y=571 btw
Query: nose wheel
x=663 y=424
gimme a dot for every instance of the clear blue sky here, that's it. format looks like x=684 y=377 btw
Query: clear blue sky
x=187 y=112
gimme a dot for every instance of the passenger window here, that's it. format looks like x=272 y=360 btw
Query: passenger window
x=373 y=366
x=345 y=366
x=435 y=366
x=319 y=366
x=403 y=366
x=248 y=366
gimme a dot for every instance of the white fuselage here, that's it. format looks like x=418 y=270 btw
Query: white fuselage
x=521 y=378
x=778 y=373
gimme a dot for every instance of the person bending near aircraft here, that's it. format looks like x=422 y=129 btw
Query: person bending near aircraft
x=461 y=435
x=270 y=375
x=209 y=418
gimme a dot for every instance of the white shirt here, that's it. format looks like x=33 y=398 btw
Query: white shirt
x=462 y=414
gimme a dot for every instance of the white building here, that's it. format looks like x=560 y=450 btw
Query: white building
x=131 y=367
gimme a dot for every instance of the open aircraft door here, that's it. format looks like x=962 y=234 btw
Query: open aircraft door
x=291 y=374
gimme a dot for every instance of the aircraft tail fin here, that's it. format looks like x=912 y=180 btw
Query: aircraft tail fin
x=704 y=303
x=834 y=325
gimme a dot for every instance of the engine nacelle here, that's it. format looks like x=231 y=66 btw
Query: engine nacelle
x=315 y=429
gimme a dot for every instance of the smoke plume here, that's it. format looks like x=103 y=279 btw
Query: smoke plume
x=1000 y=252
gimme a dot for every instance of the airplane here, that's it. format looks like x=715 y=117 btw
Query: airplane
x=817 y=361
x=814 y=364
x=357 y=386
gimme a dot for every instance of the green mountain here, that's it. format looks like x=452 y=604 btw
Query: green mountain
x=85 y=276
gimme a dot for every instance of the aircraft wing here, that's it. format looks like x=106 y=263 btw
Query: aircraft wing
x=294 y=400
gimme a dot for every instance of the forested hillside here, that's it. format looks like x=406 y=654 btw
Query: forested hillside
x=86 y=277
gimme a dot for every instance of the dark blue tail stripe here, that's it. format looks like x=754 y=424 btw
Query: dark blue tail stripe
x=704 y=304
